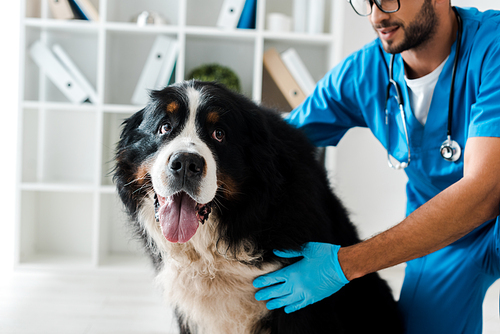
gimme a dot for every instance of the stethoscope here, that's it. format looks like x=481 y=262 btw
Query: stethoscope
x=450 y=150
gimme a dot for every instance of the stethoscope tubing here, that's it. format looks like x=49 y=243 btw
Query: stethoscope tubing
x=450 y=150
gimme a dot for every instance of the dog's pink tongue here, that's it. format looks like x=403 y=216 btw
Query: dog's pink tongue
x=178 y=218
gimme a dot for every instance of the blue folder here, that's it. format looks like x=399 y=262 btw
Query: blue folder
x=248 y=14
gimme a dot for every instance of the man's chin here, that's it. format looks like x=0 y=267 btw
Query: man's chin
x=392 y=46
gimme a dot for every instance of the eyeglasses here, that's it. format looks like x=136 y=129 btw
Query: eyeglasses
x=364 y=7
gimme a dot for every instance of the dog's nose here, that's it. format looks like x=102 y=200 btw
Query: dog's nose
x=186 y=165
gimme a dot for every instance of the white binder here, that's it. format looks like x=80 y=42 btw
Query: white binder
x=316 y=16
x=230 y=14
x=298 y=70
x=299 y=14
x=75 y=72
x=167 y=68
x=56 y=72
x=152 y=69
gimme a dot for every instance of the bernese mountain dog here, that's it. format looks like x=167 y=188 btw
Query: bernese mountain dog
x=214 y=183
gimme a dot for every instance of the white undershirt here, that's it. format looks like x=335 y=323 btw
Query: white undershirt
x=421 y=90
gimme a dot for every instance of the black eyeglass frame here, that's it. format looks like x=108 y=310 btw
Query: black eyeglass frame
x=371 y=8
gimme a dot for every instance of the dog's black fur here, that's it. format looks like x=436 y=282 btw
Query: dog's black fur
x=279 y=198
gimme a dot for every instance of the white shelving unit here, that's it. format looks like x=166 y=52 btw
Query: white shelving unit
x=68 y=212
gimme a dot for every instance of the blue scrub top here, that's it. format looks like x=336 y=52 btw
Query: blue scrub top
x=353 y=94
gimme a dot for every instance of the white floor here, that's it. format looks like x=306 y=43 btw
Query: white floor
x=92 y=302
x=108 y=302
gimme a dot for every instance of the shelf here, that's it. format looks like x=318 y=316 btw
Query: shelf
x=66 y=25
x=69 y=213
x=134 y=28
x=66 y=187
x=245 y=34
x=320 y=39
x=121 y=108
x=84 y=107
x=69 y=188
x=86 y=26
x=58 y=187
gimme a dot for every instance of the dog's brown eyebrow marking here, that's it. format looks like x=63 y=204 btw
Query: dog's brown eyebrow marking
x=172 y=107
x=212 y=117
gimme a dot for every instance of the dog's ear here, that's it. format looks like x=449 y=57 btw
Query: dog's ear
x=129 y=129
x=126 y=161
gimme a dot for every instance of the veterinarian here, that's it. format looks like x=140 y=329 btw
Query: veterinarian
x=444 y=58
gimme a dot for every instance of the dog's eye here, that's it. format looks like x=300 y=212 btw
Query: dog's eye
x=165 y=128
x=218 y=135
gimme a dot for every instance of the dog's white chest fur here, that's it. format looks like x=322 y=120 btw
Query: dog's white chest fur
x=213 y=293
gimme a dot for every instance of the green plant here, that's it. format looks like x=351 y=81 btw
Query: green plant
x=218 y=73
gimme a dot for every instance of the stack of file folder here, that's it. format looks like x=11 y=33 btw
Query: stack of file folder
x=61 y=70
x=286 y=80
x=158 y=70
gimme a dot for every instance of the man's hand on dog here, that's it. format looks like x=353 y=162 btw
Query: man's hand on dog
x=313 y=278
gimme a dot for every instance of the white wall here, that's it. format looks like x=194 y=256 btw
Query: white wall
x=373 y=192
x=479 y=4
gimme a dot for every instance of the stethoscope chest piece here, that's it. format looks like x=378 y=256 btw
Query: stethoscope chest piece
x=450 y=150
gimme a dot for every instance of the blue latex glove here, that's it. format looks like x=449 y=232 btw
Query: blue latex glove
x=317 y=276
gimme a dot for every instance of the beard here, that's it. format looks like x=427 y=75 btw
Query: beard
x=416 y=33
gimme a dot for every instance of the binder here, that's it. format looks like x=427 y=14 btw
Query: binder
x=84 y=10
x=75 y=72
x=56 y=72
x=298 y=70
x=167 y=69
x=272 y=97
x=299 y=15
x=283 y=78
x=77 y=11
x=230 y=14
x=248 y=15
x=152 y=69
x=316 y=16
x=61 y=9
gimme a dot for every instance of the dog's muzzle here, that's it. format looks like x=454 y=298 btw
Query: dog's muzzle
x=179 y=214
x=186 y=170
